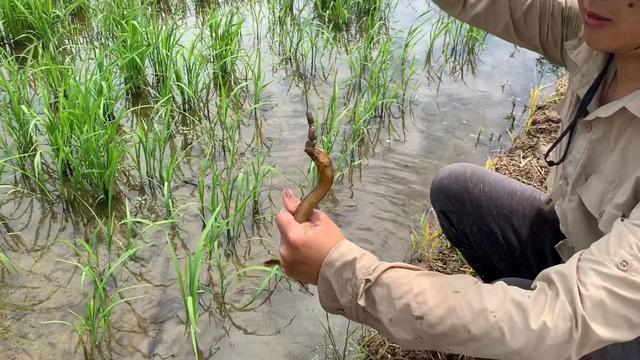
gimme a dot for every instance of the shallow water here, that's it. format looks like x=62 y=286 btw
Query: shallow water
x=376 y=211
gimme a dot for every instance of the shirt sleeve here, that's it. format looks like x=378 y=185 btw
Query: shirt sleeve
x=573 y=309
x=542 y=26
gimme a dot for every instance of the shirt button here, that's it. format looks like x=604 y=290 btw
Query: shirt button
x=587 y=127
x=600 y=215
x=624 y=265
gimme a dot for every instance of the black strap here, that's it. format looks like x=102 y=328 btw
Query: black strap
x=580 y=114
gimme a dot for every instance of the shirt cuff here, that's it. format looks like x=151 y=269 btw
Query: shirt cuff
x=339 y=280
x=346 y=273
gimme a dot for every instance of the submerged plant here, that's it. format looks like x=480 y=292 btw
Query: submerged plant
x=6 y=263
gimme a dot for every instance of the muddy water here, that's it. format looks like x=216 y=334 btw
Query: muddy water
x=376 y=211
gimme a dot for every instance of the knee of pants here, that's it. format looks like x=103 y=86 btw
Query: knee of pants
x=446 y=185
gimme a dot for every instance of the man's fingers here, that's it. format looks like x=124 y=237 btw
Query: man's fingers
x=290 y=201
x=285 y=222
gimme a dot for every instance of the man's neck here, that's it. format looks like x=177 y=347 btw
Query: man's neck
x=627 y=78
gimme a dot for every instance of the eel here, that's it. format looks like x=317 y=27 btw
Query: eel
x=325 y=175
x=324 y=164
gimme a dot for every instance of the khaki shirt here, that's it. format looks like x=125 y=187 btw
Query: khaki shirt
x=591 y=300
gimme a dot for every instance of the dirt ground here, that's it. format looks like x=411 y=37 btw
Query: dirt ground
x=523 y=161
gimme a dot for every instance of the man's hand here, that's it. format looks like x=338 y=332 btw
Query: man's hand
x=303 y=247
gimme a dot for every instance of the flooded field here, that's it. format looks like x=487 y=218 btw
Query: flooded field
x=146 y=144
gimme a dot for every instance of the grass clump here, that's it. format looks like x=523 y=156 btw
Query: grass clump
x=93 y=327
x=82 y=119
x=352 y=15
x=454 y=47
x=132 y=47
x=19 y=121
x=188 y=278
x=223 y=46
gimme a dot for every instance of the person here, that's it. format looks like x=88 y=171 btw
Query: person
x=560 y=272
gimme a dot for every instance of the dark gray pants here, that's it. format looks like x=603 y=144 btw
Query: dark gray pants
x=499 y=226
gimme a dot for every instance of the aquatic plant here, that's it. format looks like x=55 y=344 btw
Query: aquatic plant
x=454 y=47
x=22 y=20
x=6 y=263
x=81 y=121
x=19 y=120
x=188 y=278
x=352 y=15
x=93 y=327
x=132 y=47
x=305 y=47
x=222 y=37
x=258 y=86
x=164 y=40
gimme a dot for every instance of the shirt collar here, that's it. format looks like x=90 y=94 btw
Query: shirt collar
x=587 y=64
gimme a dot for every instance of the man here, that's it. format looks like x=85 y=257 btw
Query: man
x=580 y=244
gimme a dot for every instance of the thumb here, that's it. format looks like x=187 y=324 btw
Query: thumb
x=286 y=224
x=290 y=201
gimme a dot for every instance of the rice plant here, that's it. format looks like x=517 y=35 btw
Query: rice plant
x=222 y=36
x=534 y=103
x=153 y=154
x=346 y=15
x=305 y=47
x=373 y=93
x=19 y=120
x=164 y=40
x=454 y=47
x=82 y=125
x=132 y=48
x=258 y=86
x=188 y=278
x=93 y=327
x=281 y=12
x=194 y=81
x=22 y=20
